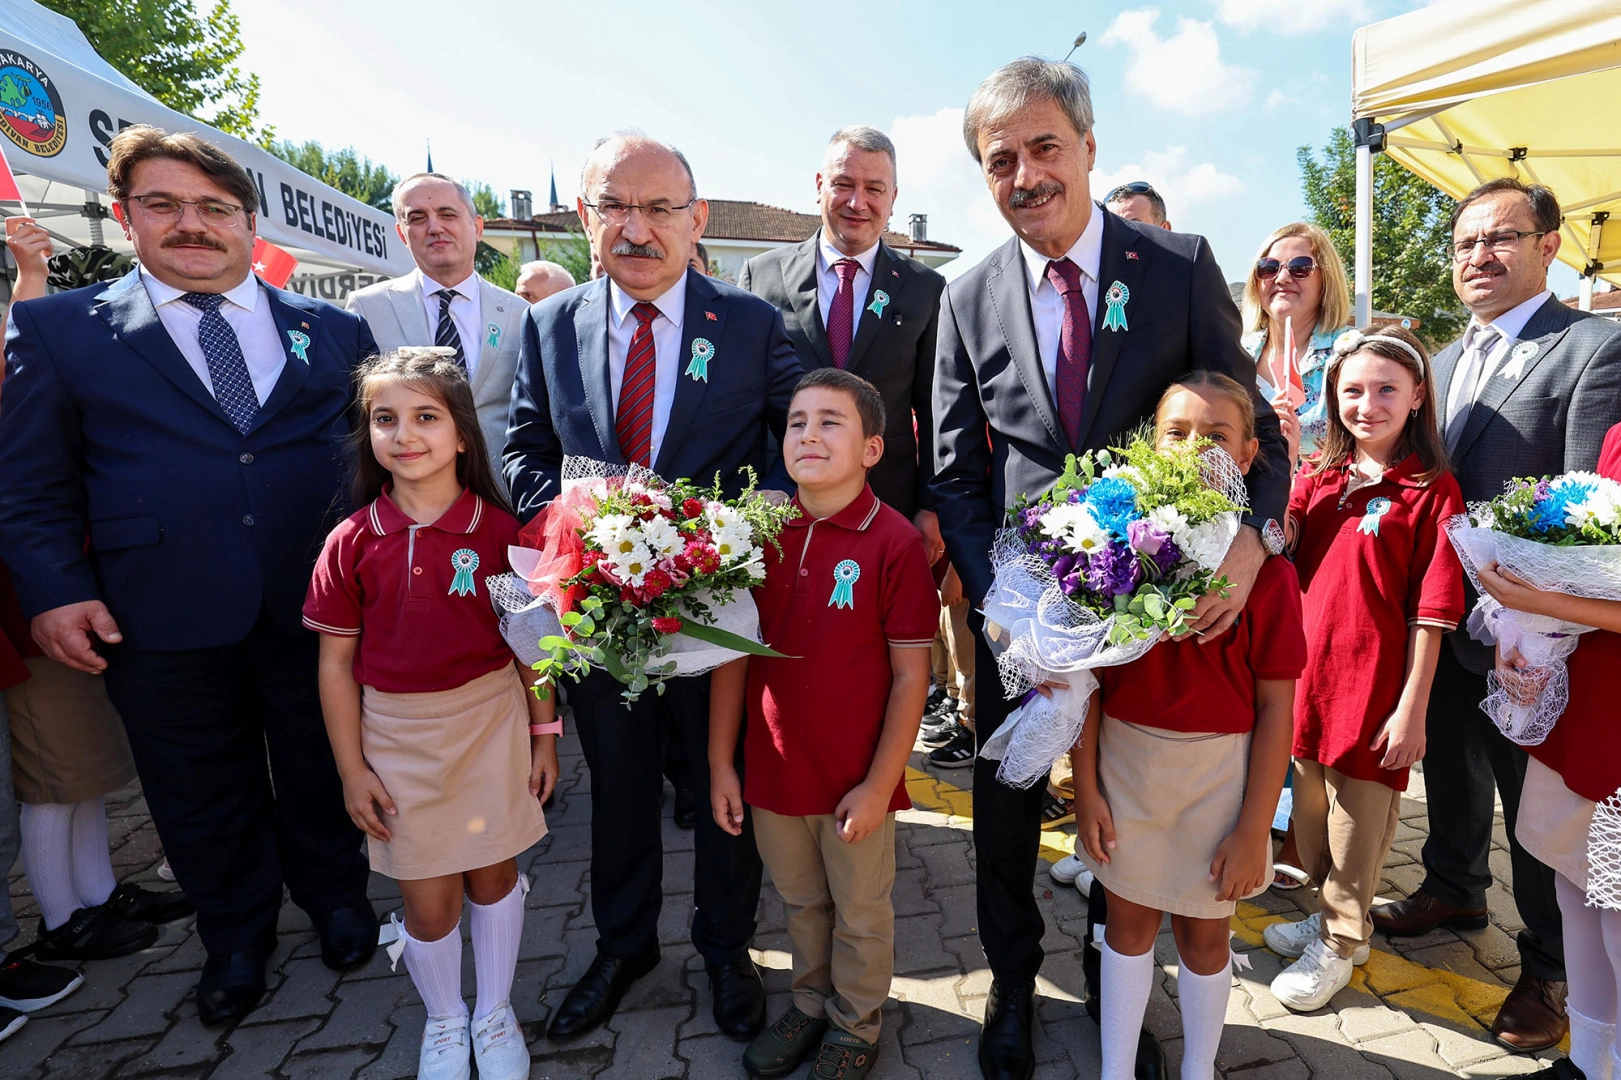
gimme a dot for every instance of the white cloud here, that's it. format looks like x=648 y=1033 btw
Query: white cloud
x=1183 y=186
x=1183 y=73
x=1290 y=19
x=1277 y=98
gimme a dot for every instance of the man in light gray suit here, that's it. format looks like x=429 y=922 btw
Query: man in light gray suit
x=1529 y=390
x=445 y=302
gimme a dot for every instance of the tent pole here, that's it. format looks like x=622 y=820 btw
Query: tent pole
x=1370 y=138
x=1584 y=294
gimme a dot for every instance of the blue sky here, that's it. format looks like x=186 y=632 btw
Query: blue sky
x=1207 y=99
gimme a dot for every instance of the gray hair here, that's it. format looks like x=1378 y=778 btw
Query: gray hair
x=1024 y=82
x=865 y=138
x=547 y=267
x=399 y=191
x=634 y=136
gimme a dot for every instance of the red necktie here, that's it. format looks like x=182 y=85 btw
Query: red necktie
x=841 y=316
x=634 y=424
x=1074 y=348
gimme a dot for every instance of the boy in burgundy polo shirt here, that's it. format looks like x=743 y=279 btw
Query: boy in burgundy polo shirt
x=850 y=598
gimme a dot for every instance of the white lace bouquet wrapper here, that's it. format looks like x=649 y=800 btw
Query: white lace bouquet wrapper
x=1526 y=704
x=1604 y=855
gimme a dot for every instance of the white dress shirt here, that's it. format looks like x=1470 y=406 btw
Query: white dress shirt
x=247 y=313
x=1509 y=326
x=1047 y=305
x=667 y=356
x=827 y=279
x=464 y=312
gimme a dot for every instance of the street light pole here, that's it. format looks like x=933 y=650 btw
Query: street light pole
x=1080 y=40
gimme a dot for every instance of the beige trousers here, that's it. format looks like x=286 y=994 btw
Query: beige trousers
x=840 y=919
x=1343 y=828
x=954 y=659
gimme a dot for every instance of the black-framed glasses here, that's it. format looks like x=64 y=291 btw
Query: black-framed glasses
x=617 y=213
x=221 y=215
x=1506 y=240
x=1136 y=187
x=1298 y=267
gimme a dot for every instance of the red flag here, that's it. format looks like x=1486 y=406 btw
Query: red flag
x=272 y=264
x=9 y=192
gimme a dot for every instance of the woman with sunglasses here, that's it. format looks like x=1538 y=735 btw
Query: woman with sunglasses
x=1297 y=280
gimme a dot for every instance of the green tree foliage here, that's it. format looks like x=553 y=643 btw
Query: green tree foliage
x=484 y=199
x=1412 y=271
x=572 y=254
x=345 y=170
x=184 y=59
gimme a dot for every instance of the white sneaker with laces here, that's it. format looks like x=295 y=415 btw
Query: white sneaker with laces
x=1308 y=983
x=1291 y=938
x=1067 y=869
x=498 y=1046
x=445 y=1053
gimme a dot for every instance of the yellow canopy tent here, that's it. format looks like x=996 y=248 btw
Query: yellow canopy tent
x=1464 y=91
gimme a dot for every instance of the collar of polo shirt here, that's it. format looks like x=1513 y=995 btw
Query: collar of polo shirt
x=855 y=517
x=462 y=517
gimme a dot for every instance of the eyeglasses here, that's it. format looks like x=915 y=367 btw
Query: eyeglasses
x=1136 y=187
x=1464 y=250
x=617 y=213
x=220 y=215
x=1298 y=267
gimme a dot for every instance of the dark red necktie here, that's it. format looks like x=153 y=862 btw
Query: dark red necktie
x=634 y=424
x=841 y=316
x=1074 y=348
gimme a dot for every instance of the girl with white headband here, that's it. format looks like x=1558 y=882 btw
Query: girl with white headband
x=1382 y=585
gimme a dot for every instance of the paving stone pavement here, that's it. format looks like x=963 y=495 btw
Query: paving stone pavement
x=1417 y=1011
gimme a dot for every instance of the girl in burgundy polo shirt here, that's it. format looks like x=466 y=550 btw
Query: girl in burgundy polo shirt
x=1382 y=585
x=1577 y=766
x=445 y=755
x=1178 y=771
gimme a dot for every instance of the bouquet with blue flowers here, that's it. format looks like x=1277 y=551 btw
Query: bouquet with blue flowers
x=1562 y=534
x=1095 y=572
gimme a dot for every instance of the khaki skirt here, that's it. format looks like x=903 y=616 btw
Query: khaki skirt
x=456 y=763
x=67 y=741
x=1174 y=797
x=1553 y=823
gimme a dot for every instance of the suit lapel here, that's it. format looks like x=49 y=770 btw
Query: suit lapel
x=591 y=317
x=1010 y=297
x=1541 y=330
x=889 y=276
x=702 y=302
x=799 y=276
x=294 y=372
x=1113 y=266
x=128 y=311
x=405 y=298
x=1445 y=363
x=492 y=312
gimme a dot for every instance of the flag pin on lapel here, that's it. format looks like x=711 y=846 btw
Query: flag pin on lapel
x=894 y=273
x=1131 y=255
x=304 y=325
x=710 y=315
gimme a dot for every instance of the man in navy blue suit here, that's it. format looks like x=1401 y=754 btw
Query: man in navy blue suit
x=673 y=370
x=193 y=423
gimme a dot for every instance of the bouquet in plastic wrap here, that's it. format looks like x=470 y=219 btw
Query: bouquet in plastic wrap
x=644 y=578
x=1093 y=574
x=1561 y=534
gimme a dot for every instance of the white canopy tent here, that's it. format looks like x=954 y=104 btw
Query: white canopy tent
x=1464 y=91
x=60 y=103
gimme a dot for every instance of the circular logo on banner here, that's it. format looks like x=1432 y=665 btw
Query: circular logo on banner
x=30 y=108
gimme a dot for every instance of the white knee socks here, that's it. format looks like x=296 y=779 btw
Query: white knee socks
x=1204 y=1012
x=1591 y=972
x=47 y=844
x=1592 y=1045
x=436 y=969
x=93 y=879
x=1127 y=981
x=497 y=929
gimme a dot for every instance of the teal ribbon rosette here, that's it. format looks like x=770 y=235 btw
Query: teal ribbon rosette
x=1377 y=508
x=300 y=344
x=844 y=584
x=464 y=561
x=703 y=351
x=880 y=300
x=1114 y=299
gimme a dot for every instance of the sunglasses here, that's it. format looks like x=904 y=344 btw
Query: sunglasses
x=1136 y=187
x=1298 y=267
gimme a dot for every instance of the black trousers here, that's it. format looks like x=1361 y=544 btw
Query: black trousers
x=1465 y=757
x=1007 y=838
x=238 y=774
x=623 y=751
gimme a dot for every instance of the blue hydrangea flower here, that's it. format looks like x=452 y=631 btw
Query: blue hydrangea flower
x=1114 y=504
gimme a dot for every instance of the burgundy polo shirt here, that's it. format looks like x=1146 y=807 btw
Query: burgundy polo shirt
x=843 y=592
x=415 y=594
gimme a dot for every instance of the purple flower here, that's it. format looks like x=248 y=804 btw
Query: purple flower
x=1072 y=583
x=1154 y=542
x=1113 y=571
x=1063 y=565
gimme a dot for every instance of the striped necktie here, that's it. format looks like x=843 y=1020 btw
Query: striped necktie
x=445 y=335
x=634 y=424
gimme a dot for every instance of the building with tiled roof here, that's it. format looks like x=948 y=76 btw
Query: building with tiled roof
x=1605 y=304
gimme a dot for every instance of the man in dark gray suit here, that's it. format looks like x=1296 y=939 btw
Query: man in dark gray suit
x=1028 y=370
x=1529 y=390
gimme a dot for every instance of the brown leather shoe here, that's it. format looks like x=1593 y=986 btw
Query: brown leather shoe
x=1532 y=1016
x=1421 y=913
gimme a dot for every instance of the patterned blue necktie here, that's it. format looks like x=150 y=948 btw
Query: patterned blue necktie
x=233 y=387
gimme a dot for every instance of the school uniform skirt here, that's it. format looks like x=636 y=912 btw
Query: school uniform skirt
x=456 y=763
x=1553 y=823
x=67 y=741
x=1175 y=796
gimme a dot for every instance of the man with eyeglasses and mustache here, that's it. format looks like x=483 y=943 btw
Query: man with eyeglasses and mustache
x=604 y=373
x=195 y=421
x=1062 y=341
x=1528 y=391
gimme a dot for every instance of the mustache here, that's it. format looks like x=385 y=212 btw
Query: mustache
x=1022 y=197
x=192 y=240
x=645 y=251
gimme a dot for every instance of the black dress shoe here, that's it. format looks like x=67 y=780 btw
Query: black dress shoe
x=686 y=808
x=1006 y=1048
x=739 y=997
x=348 y=937
x=595 y=997
x=231 y=985
x=1150 y=1063
x=131 y=901
x=94 y=934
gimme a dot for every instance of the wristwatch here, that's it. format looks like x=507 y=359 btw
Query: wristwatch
x=1272 y=537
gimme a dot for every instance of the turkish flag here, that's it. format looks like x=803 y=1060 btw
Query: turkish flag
x=9 y=192
x=272 y=264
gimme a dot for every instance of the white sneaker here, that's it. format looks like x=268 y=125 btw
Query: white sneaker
x=499 y=1048
x=1308 y=983
x=444 y=1050
x=1067 y=869
x=1291 y=938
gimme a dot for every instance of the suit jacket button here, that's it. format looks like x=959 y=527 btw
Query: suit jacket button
x=247 y=519
x=246 y=459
